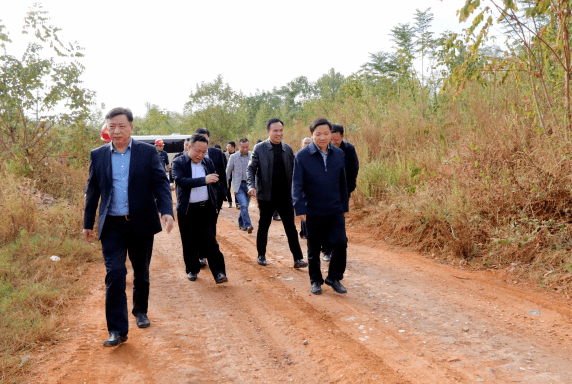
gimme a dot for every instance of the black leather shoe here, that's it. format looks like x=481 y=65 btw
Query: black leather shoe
x=327 y=257
x=336 y=286
x=192 y=276
x=300 y=264
x=262 y=260
x=203 y=262
x=276 y=217
x=221 y=278
x=142 y=320
x=114 y=339
x=316 y=289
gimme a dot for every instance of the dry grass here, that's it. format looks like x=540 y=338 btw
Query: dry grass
x=472 y=180
x=34 y=290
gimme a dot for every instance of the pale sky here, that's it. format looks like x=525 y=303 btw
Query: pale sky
x=157 y=51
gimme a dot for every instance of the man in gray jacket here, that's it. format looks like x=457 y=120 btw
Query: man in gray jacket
x=271 y=165
x=236 y=171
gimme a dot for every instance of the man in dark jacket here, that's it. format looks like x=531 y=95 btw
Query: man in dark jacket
x=219 y=160
x=271 y=165
x=128 y=181
x=352 y=169
x=198 y=204
x=321 y=199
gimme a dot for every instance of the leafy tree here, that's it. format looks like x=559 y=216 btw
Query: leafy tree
x=217 y=107
x=425 y=42
x=538 y=42
x=158 y=121
x=41 y=94
x=328 y=85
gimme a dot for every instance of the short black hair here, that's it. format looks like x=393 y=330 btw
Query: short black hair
x=337 y=128
x=258 y=141
x=217 y=146
x=272 y=121
x=198 y=137
x=232 y=143
x=243 y=140
x=120 y=111
x=203 y=131
x=318 y=122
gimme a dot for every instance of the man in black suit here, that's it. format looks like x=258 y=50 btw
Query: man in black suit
x=219 y=160
x=128 y=180
x=198 y=204
x=269 y=179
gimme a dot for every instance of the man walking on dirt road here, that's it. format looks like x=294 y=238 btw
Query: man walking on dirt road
x=128 y=180
x=271 y=165
x=352 y=169
x=198 y=205
x=236 y=172
x=321 y=200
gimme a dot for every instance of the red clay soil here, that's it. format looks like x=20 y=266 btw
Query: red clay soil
x=405 y=319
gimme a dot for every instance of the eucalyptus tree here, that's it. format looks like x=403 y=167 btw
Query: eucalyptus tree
x=538 y=43
x=425 y=42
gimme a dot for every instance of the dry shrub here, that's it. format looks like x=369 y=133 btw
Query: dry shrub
x=40 y=218
x=473 y=179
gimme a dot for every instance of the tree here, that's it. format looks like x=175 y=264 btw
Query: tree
x=39 y=93
x=425 y=42
x=217 y=107
x=538 y=38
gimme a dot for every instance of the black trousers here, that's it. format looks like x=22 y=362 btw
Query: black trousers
x=228 y=193
x=198 y=235
x=286 y=212
x=327 y=247
x=327 y=229
x=118 y=240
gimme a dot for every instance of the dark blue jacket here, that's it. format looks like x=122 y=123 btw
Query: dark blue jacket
x=352 y=165
x=317 y=189
x=149 y=191
x=185 y=181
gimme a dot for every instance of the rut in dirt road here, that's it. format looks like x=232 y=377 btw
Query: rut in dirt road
x=405 y=319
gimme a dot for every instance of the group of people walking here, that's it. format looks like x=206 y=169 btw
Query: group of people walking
x=127 y=180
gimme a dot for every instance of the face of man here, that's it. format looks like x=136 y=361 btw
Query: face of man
x=198 y=151
x=159 y=148
x=120 y=130
x=244 y=147
x=275 y=133
x=322 y=136
x=337 y=139
x=306 y=142
x=230 y=148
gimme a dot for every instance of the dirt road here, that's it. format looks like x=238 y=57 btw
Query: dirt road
x=405 y=319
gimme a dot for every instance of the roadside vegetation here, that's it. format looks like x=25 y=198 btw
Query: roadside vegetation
x=45 y=136
x=463 y=139
x=464 y=144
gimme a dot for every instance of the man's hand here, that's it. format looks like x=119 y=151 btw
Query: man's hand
x=168 y=222
x=87 y=234
x=252 y=192
x=302 y=217
x=212 y=178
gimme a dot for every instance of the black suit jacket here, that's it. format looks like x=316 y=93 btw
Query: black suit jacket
x=219 y=160
x=183 y=176
x=149 y=191
x=261 y=166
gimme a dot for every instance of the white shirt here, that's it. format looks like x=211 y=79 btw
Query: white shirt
x=198 y=194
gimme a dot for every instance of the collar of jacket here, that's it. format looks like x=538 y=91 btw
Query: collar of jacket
x=343 y=145
x=188 y=159
x=268 y=144
x=314 y=148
